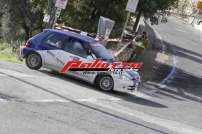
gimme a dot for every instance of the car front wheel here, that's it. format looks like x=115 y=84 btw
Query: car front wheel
x=105 y=82
x=34 y=61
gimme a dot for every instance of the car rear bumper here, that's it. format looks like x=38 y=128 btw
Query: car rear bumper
x=24 y=51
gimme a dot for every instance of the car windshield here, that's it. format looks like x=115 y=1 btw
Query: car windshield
x=101 y=52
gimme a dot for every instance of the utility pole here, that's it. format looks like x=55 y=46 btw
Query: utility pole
x=54 y=9
x=56 y=16
x=125 y=25
x=130 y=8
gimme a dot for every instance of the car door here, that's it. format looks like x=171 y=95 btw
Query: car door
x=52 y=45
x=73 y=49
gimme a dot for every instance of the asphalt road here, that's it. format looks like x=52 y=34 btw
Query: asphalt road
x=45 y=102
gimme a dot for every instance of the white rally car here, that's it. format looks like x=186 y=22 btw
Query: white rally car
x=52 y=49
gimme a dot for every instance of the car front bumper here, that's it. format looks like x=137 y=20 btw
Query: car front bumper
x=125 y=85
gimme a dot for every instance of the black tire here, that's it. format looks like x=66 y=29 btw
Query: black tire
x=105 y=82
x=33 y=61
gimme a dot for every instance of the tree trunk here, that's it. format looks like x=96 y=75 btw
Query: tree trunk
x=27 y=32
x=137 y=21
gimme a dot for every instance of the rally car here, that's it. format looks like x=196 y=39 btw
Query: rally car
x=52 y=49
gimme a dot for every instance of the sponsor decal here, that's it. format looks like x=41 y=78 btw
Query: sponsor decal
x=98 y=65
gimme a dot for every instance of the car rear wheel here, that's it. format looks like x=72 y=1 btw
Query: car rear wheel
x=105 y=82
x=34 y=61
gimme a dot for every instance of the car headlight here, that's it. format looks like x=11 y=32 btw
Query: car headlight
x=132 y=75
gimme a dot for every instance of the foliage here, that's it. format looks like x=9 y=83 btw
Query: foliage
x=23 y=18
x=7 y=54
x=84 y=14
x=149 y=7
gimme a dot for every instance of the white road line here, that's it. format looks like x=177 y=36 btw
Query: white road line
x=2 y=100
x=98 y=99
x=15 y=73
x=168 y=124
x=47 y=100
x=180 y=30
x=77 y=100
x=2 y=75
x=172 y=73
x=66 y=101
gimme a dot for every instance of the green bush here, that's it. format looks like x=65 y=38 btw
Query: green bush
x=7 y=53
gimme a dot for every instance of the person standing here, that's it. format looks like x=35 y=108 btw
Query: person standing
x=139 y=44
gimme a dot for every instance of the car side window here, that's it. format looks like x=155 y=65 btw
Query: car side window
x=55 y=40
x=74 y=46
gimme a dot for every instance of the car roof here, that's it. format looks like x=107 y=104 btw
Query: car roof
x=74 y=35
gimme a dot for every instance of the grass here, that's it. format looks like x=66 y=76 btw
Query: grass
x=6 y=54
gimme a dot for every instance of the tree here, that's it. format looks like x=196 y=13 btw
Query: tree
x=26 y=15
x=84 y=14
x=148 y=8
x=185 y=7
x=3 y=8
x=3 y=11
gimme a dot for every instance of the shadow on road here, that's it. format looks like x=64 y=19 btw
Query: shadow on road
x=187 y=85
x=184 y=84
x=122 y=95
x=186 y=81
x=181 y=52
